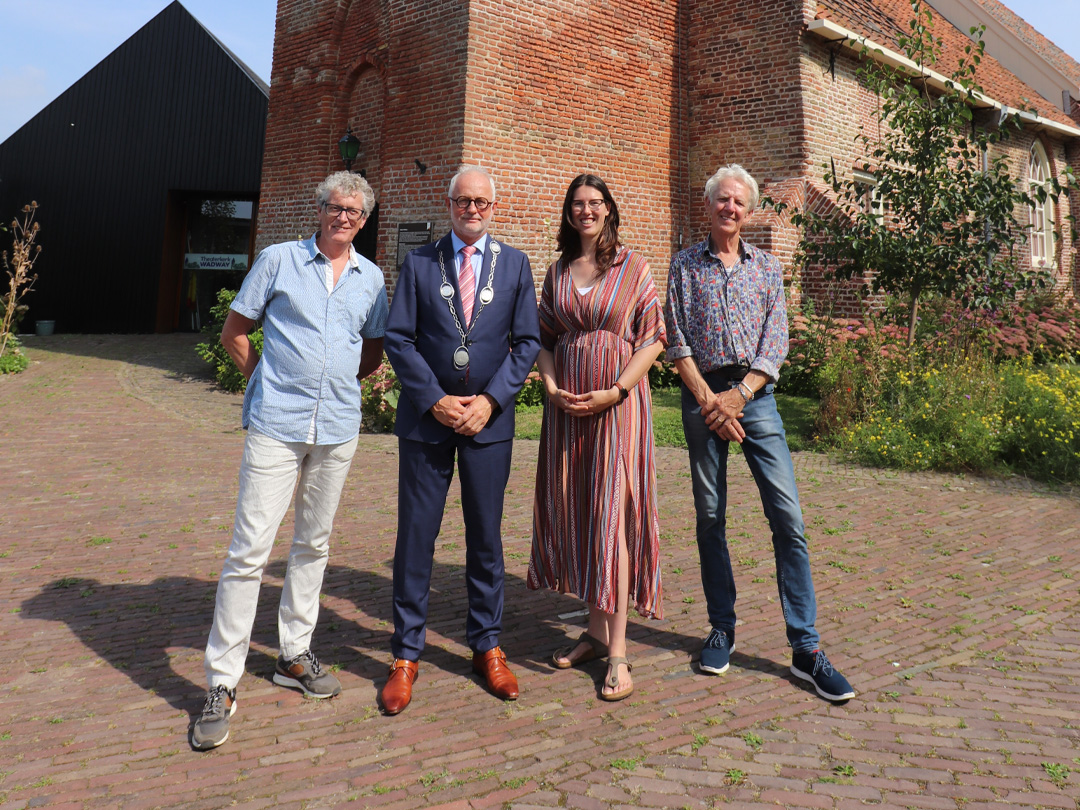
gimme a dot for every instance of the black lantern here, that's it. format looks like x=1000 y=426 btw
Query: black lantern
x=349 y=147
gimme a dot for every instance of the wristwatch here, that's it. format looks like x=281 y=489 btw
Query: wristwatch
x=623 y=393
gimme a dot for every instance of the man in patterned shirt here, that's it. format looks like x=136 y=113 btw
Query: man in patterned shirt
x=323 y=310
x=728 y=336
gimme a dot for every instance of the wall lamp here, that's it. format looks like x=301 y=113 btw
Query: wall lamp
x=349 y=148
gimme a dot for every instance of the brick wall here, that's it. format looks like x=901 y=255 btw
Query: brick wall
x=653 y=95
x=829 y=83
x=389 y=70
x=1072 y=259
x=742 y=84
x=558 y=88
x=540 y=92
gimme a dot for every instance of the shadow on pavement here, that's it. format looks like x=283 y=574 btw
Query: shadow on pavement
x=138 y=628
x=532 y=629
x=174 y=352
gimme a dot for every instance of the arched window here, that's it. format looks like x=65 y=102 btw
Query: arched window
x=1041 y=213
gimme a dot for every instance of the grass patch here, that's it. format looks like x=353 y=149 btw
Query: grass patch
x=623 y=764
x=798 y=414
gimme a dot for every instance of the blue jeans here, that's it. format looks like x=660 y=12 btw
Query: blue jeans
x=769 y=459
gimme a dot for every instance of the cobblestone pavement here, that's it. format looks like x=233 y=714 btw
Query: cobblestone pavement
x=950 y=603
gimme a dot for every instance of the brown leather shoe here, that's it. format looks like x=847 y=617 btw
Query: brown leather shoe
x=397 y=691
x=500 y=680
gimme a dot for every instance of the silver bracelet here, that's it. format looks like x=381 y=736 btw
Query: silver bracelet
x=749 y=391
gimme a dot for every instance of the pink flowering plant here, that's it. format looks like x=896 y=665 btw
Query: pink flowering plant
x=381 y=390
x=532 y=394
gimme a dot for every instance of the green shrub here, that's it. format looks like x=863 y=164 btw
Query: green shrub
x=532 y=393
x=13 y=360
x=932 y=419
x=814 y=339
x=662 y=374
x=971 y=414
x=1047 y=331
x=859 y=362
x=1040 y=416
x=808 y=342
x=226 y=373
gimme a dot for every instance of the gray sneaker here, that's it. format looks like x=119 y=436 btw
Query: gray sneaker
x=212 y=727
x=304 y=673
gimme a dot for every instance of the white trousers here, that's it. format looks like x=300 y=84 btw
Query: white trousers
x=268 y=474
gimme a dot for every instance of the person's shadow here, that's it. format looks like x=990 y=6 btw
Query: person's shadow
x=541 y=609
x=531 y=627
x=137 y=627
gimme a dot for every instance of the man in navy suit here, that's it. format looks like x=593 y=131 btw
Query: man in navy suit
x=462 y=335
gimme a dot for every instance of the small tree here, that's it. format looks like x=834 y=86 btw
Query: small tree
x=19 y=266
x=951 y=225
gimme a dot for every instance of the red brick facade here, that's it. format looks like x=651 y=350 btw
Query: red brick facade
x=653 y=95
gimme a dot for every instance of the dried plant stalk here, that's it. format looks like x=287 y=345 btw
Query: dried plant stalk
x=19 y=266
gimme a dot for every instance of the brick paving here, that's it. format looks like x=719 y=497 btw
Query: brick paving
x=950 y=602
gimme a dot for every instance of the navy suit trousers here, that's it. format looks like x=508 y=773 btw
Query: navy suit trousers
x=424 y=474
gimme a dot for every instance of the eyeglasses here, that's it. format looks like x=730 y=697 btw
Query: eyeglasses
x=463 y=203
x=353 y=214
x=577 y=206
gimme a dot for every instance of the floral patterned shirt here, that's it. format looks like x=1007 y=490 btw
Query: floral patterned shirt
x=727 y=318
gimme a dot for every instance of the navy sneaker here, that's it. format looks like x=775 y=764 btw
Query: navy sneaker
x=815 y=668
x=716 y=652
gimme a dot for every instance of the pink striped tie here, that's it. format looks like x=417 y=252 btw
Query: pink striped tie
x=467 y=282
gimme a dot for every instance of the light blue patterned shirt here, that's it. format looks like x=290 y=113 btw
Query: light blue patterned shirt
x=312 y=341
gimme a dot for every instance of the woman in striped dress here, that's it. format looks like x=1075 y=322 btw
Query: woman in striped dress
x=595 y=532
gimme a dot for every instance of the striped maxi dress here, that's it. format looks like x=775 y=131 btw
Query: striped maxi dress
x=589 y=464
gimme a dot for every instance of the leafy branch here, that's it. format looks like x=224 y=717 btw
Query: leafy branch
x=950 y=227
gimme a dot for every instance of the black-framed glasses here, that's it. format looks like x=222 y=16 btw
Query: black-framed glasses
x=577 y=206
x=463 y=203
x=353 y=214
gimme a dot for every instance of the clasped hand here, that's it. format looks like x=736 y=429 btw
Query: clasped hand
x=722 y=413
x=584 y=404
x=466 y=415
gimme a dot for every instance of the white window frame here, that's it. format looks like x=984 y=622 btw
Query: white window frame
x=873 y=203
x=1040 y=214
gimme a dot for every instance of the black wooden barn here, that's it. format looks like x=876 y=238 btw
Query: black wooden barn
x=146 y=172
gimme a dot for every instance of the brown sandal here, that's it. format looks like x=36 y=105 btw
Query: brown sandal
x=597 y=649
x=613 y=679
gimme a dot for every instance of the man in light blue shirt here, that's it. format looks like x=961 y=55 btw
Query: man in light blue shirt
x=323 y=310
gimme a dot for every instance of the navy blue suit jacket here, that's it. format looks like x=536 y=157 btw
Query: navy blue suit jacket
x=421 y=339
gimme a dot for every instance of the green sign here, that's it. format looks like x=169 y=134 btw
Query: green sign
x=215 y=261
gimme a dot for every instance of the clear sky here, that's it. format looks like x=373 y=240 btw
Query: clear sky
x=1057 y=20
x=47 y=45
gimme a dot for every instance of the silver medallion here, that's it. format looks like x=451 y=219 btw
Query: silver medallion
x=486 y=295
x=495 y=248
x=461 y=357
x=446 y=291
